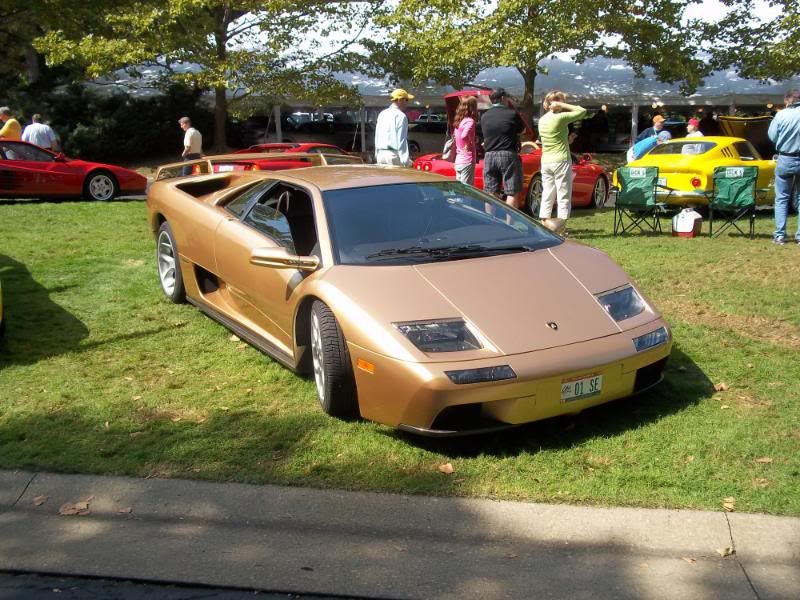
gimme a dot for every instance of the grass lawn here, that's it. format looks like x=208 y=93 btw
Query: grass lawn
x=100 y=374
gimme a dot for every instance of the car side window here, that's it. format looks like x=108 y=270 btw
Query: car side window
x=285 y=214
x=16 y=151
x=239 y=204
x=746 y=151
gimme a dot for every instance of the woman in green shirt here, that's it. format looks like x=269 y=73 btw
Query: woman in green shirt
x=556 y=158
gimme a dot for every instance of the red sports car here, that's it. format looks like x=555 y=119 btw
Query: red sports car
x=28 y=171
x=304 y=147
x=589 y=187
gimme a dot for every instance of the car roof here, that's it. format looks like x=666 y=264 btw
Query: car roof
x=718 y=139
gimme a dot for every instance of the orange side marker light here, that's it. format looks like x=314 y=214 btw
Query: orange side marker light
x=366 y=366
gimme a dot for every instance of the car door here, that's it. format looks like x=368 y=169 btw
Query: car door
x=583 y=181
x=18 y=177
x=279 y=215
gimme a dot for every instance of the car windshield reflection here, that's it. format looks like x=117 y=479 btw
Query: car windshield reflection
x=426 y=222
x=693 y=147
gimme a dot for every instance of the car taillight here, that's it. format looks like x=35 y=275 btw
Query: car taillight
x=254 y=167
x=196 y=170
x=696 y=182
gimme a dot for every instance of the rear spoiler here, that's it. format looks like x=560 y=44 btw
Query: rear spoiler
x=200 y=166
x=205 y=166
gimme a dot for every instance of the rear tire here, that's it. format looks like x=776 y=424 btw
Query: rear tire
x=100 y=186
x=600 y=193
x=169 y=265
x=333 y=372
x=534 y=196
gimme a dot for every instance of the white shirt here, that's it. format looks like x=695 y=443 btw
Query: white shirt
x=40 y=134
x=695 y=134
x=193 y=140
x=391 y=133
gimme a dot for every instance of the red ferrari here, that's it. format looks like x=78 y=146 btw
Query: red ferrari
x=589 y=187
x=28 y=171
x=303 y=147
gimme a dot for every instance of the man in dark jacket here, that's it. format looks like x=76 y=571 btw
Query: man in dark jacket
x=658 y=127
x=501 y=126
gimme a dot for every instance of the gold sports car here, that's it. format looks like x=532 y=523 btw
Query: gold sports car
x=686 y=167
x=412 y=299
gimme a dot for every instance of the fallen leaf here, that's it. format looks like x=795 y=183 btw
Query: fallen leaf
x=512 y=556
x=241 y=346
x=761 y=482
x=107 y=425
x=176 y=419
x=688 y=459
x=689 y=559
x=721 y=387
x=137 y=398
x=225 y=408
x=723 y=552
x=729 y=503
x=446 y=468
x=764 y=460
x=125 y=511
x=69 y=509
x=234 y=338
x=749 y=366
x=134 y=434
x=128 y=378
x=39 y=500
x=724 y=407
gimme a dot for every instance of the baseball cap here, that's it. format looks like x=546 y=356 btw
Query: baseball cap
x=401 y=94
x=694 y=122
x=658 y=119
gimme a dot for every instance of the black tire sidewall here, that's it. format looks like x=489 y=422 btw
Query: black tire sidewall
x=340 y=390
x=178 y=295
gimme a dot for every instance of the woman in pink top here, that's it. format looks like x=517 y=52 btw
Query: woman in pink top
x=464 y=136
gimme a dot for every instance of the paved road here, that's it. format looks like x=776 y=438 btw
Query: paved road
x=329 y=542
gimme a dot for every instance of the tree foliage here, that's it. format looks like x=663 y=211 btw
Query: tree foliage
x=238 y=48
x=757 y=48
x=452 y=40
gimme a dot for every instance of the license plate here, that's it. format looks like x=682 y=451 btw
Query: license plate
x=584 y=386
x=662 y=181
x=223 y=168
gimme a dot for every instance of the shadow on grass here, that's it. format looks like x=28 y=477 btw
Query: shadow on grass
x=119 y=199
x=36 y=326
x=684 y=385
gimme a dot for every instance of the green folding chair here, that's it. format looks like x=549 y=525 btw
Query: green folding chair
x=733 y=198
x=636 y=206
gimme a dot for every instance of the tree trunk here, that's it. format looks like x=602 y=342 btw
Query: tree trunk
x=32 y=64
x=220 y=118
x=526 y=108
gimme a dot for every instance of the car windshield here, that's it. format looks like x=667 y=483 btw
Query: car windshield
x=413 y=223
x=687 y=147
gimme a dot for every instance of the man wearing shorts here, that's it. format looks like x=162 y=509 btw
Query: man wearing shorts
x=501 y=126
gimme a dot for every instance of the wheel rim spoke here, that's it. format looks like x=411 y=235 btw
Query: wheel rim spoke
x=166 y=263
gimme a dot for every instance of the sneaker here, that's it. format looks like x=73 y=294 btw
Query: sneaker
x=779 y=240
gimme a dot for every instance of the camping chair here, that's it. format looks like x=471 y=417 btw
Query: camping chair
x=733 y=198
x=636 y=200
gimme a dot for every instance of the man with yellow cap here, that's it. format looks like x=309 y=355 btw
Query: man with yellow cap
x=391 y=132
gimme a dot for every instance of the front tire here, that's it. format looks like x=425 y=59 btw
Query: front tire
x=535 y=196
x=169 y=267
x=100 y=186
x=600 y=193
x=333 y=372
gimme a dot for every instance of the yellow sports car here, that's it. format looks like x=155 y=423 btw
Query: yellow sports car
x=412 y=299
x=686 y=167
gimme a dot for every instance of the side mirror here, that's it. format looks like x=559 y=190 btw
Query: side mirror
x=587 y=157
x=60 y=157
x=278 y=258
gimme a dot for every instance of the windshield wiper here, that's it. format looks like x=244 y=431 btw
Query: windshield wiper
x=446 y=251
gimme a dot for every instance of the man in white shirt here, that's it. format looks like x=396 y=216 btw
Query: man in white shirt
x=192 y=140
x=391 y=132
x=40 y=134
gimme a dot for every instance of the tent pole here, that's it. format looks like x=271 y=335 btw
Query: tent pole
x=276 y=110
x=634 y=122
x=362 y=114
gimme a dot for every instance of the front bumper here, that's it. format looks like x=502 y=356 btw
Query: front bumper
x=419 y=397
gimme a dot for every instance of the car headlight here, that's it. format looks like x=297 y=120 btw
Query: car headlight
x=622 y=304
x=446 y=335
x=648 y=340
